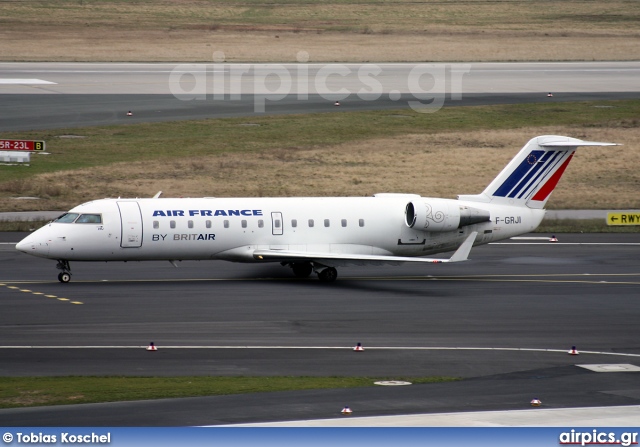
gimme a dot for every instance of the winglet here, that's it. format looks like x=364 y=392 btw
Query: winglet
x=462 y=253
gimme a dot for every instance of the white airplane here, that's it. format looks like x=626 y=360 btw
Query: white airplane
x=310 y=234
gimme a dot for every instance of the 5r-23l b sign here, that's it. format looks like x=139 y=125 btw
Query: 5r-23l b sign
x=21 y=145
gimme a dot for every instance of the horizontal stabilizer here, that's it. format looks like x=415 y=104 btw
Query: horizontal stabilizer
x=461 y=254
x=574 y=143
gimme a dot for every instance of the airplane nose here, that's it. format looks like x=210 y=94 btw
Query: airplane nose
x=33 y=245
x=24 y=245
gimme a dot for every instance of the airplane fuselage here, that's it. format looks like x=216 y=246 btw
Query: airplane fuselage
x=232 y=229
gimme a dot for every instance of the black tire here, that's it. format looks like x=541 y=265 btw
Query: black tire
x=328 y=275
x=64 y=277
x=302 y=269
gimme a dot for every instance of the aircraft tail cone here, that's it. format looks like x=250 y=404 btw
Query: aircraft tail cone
x=151 y=347
x=346 y=411
x=573 y=351
x=553 y=239
x=358 y=347
x=536 y=402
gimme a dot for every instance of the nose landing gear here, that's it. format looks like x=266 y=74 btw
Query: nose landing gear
x=65 y=275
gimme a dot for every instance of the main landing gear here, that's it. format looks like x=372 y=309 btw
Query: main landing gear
x=65 y=275
x=329 y=274
x=304 y=269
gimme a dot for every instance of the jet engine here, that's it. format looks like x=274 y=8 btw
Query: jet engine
x=442 y=215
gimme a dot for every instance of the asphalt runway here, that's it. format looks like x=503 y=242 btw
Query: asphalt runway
x=503 y=321
x=36 y=96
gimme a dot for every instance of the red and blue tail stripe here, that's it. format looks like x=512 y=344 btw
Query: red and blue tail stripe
x=527 y=176
x=531 y=176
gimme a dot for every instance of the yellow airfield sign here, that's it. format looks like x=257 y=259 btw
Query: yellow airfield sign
x=623 y=218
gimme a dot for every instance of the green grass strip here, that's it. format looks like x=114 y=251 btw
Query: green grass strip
x=40 y=391
x=103 y=146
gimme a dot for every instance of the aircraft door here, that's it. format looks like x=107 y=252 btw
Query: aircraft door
x=131 y=219
x=276 y=223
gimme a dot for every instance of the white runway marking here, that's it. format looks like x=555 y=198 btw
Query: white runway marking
x=564 y=243
x=25 y=81
x=609 y=368
x=368 y=348
x=622 y=416
x=204 y=70
x=525 y=238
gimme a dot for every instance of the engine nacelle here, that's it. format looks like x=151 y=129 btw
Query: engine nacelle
x=470 y=216
x=442 y=215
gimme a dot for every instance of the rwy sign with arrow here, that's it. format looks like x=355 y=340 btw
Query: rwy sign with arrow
x=623 y=218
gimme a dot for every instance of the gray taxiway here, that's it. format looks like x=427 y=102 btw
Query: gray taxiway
x=503 y=321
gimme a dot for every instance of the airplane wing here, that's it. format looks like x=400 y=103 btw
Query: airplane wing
x=461 y=254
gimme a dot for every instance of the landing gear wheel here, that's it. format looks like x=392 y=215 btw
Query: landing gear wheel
x=302 y=269
x=64 y=277
x=328 y=275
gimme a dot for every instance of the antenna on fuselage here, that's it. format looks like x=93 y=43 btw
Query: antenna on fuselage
x=157 y=195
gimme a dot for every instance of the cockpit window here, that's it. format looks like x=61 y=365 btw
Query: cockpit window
x=90 y=218
x=67 y=218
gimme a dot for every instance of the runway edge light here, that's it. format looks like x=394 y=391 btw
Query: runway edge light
x=152 y=347
x=573 y=351
x=553 y=238
x=358 y=347
x=346 y=411
x=536 y=402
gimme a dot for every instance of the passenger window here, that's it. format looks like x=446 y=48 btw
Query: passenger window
x=67 y=218
x=156 y=224
x=276 y=223
x=310 y=223
x=90 y=218
x=208 y=224
x=294 y=223
x=244 y=223
x=260 y=223
x=190 y=224
x=326 y=223
x=226 y=224
x=361 y=222
x=172 y=224
x=344 y=222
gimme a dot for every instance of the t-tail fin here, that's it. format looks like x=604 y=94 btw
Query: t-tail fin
x=533 y=173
